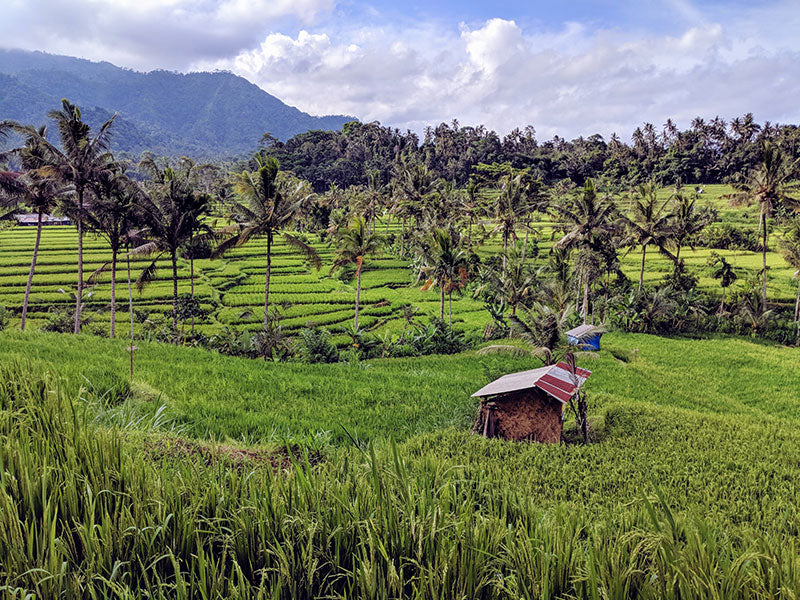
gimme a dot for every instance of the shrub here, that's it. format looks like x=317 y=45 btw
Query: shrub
x=314 y=345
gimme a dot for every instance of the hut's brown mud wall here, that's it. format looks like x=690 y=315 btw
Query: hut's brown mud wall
x=527 y=415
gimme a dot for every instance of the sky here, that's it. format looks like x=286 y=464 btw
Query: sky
x=568 y=68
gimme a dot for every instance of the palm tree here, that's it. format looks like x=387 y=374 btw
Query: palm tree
x=588 y=219
x=542 y=328
x=78 y=162
x=769 y=185
x=723 y=270
x=113 y=217
x=790 y=248
x=513 y=205
x=354 y=244
x=514 y=285
x=651 y=222
x=687 y=221
x=37 y=192
x=444 y=263
x=171 y=214
x=263 y=208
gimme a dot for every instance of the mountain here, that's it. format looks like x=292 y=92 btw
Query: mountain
x=197 y=114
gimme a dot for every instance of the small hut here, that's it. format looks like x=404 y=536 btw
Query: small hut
x=32 y=220
x=587 y=337
x=529 y=405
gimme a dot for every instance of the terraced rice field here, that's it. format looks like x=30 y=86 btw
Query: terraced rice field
x=232 y=289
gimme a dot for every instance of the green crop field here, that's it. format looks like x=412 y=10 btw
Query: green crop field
x=231 y=289
x=177 y=486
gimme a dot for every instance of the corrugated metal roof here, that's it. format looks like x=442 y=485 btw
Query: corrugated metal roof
x=581 y=330
x=555 y=380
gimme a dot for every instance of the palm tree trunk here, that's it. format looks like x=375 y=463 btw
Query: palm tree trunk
x=450 y=309
x=113 y=291
x=130 y=304
x=678 y=256
x=33 y=266
x=191 y=270
x=174 y=257
x=722 y=304
x=358 y=299
x=79 y=299
x=641 y=272
x=764 y=257
x=585 y=299
x=505 y=248
x=525 y=245
x=266 y=283
x=797 y=306
x=441 y=302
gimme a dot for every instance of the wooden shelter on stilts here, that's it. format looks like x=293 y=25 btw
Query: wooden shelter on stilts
x=529 y=405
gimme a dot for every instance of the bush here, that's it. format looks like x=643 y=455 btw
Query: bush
x=728 y=237
x=314 y=345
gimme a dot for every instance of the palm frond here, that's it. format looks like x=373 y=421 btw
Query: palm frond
x=146 y=276
x=311 y=254
x=503 y=349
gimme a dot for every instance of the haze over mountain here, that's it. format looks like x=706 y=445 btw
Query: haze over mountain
x=198 y=114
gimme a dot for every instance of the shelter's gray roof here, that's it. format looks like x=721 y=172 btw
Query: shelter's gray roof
x=556 y=380
x=581 y=330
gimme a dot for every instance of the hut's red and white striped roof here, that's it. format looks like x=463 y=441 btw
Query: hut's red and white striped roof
x=556 y=380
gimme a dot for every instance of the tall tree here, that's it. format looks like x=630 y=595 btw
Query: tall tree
x=113 y=217
x=769 y=184
x=588 y=218
x=263 y=208
x=650 y=222
x=790 y=248
x=37 y=192
x=445 y=265
x=78 y=162
x=171 y=212
x=687 y=221
x=353 y=245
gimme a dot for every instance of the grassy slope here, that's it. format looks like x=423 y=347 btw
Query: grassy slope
x=712 y=422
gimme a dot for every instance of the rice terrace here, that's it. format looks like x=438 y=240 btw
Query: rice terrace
x=250 y=352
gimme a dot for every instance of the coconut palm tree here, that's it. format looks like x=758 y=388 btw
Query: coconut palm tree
x=353 y=245
x=687 y=221
x=113 y=216
x=444 y=263
x=650 y=223
x=263 y=207
x=512 y=206
x=78 y=162
x=790 y=248
x=515 y=284
x=769 y=184
x=38 y=193
x=171 y=213
x=588 y=219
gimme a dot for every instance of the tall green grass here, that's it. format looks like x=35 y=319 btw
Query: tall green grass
x=93 y=512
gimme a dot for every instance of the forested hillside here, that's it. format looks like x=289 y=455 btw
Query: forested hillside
x=202 y=114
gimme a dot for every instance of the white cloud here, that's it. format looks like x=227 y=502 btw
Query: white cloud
x=149 y=34
x=572 y=81
x=569 y=79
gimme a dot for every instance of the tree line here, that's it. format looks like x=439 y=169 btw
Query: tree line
x=709 y=151
x=161 y=208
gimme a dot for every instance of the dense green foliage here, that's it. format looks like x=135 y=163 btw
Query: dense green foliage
x=687 y=494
